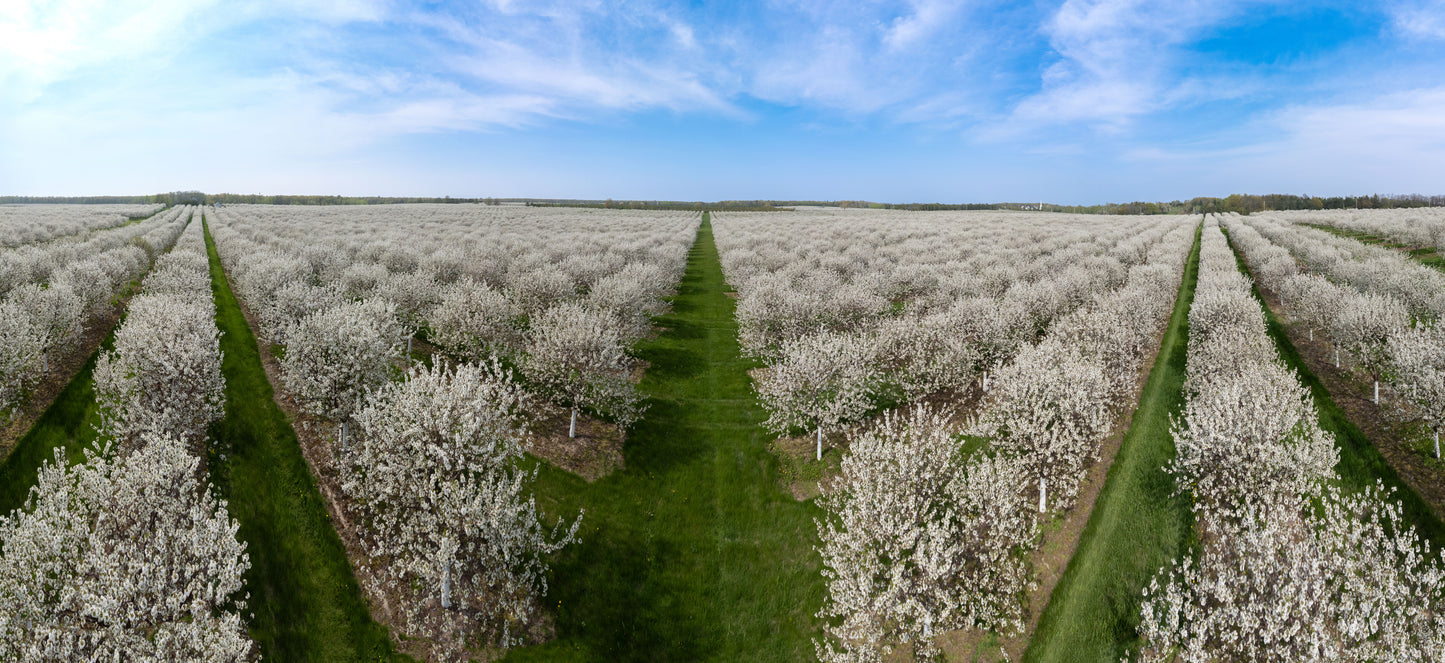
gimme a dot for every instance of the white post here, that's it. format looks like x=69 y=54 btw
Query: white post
x=447 y=586
x=572 y=432
x=820 y=443
x=1043 y=495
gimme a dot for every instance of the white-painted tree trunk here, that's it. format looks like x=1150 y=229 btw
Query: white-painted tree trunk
x=1437 y=445
x=1377 y=392
x=820 y=443
x=447 y=586
x=572 y=431
x=45 y=362
x=408 y=348
x=343 y=436
x=985 y=380
x=1312 y=334
x=1043 y=495
x=1337 y=356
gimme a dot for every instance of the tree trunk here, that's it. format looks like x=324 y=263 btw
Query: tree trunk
x=820 y=443
x=1377 y=392
x=985 y=381
x=572 y=431
x=408 y=348
x=1312 y=334
x=1043 y=495
x=447 y=586
x=1337 y=356
x=343 y=436
x=1437 y=445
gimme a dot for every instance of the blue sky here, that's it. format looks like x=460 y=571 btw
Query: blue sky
x=1069 y=102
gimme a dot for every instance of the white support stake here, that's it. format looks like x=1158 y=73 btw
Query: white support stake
x=447 y=587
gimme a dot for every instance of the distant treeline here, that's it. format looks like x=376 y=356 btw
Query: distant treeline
x=78 y=200
x=1246 y=203
x=1239 y=203
x=669 y=205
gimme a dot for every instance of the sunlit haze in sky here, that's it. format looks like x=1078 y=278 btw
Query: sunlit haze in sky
x=1077 y=102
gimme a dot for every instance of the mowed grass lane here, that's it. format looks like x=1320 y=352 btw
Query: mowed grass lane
x=307 y=604
x=70 y=423
x=1138 y=525
x=694 y=551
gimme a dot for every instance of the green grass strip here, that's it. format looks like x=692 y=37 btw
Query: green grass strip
x=69 y=424
x=694 y=551
x=1138 y=525
x=1425 y=255
x=307 y=604
x=1361 y=464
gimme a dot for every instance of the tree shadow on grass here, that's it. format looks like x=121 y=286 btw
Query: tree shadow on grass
x=663 y=439
x=678 y=328
x=671 y=363
x=607 y=597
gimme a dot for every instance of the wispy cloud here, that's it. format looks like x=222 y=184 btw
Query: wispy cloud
x=1420 y=20
x=89 y=87
x=1117 y=60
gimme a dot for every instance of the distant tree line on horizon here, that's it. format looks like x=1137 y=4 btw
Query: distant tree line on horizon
x=1238 y=203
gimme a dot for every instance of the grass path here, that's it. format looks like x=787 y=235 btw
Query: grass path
x=1137 y=526
x=694 y=551
x=1426 y=255
x=1361 y=464
x=68 y=423
x=307 y=604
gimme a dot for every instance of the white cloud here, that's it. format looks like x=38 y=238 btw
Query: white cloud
x=43 y=42
x=1392 y=143
x=275 y=87
x=928 y=16
x=1420 y=20
x=1118 y=60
